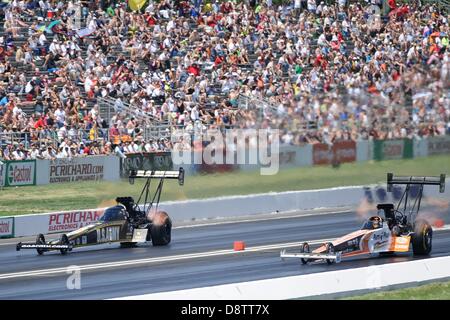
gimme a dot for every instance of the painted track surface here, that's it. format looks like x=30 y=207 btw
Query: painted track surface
x=171 y=275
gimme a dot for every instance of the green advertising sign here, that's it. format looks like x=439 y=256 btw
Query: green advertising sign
x=393 y=149
x=20 y=173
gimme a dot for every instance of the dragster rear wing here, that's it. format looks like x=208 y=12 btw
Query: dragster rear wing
x=179 y=175
x=416 y=180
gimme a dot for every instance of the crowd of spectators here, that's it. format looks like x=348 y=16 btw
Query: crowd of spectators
x=317 y=71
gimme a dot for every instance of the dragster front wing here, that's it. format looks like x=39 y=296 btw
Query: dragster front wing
x=312 y=256
x=21 y=245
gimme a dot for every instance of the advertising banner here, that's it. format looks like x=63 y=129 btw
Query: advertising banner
x=344 y=151
x=322 y=154
x=77 y=169
x=68 y=221
x=287 y=157
x=20 y=173
x=6 y=227
x=146 y=161
x=438 y=145
x=340 y=151
x=393 y=149
x=214 y=167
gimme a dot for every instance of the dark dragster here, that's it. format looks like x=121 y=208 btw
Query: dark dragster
x=399 y=229
x=126 y=223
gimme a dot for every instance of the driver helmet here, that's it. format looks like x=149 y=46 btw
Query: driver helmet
x=376 y=222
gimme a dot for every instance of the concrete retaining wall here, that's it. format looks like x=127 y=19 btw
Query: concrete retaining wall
x=316 y=284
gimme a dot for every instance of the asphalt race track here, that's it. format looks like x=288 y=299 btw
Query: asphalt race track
x=197 y=257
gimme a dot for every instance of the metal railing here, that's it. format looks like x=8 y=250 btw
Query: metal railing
x=109 y=107
x=262 y=106
x=40 y=138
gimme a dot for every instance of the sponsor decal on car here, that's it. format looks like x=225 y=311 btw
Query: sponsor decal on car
x=400 y=244
x=108 y=234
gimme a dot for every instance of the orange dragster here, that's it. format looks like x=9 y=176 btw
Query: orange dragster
x=397 y=231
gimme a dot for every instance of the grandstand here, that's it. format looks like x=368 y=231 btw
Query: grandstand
x=85 y=75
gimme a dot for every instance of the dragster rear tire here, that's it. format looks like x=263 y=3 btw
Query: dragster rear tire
x=305 y=249
x=161 y=229
x=329 y=250
x=422 y=239
x=40 y=239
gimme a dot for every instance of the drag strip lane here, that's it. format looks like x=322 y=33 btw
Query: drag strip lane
x=138 y=262
x=187 y=262
x=173 y=258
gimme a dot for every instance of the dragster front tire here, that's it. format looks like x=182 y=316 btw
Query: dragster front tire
x=40 y=239
x=329 y=250
x=422 y=239
x=305 y=249
x=161 y=229
x=64 y=240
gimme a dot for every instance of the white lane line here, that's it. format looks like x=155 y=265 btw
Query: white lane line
x=159 y=259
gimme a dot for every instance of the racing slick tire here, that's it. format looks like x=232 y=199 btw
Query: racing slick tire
x=329 y=249
x=64 y=240
x=161 y=229
x=40 y=239
x=422 y=238
x=305 y=249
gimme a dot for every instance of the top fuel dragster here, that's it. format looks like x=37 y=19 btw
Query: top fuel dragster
x=400 y=228
x=126 y=223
